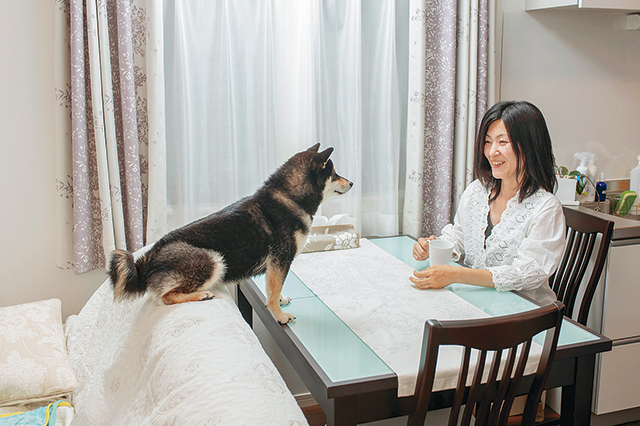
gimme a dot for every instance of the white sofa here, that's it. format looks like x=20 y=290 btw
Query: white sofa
x=139 y=362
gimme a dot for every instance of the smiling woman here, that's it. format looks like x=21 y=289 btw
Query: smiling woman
x=499 y=152
x=526 y=133
x=509 y=229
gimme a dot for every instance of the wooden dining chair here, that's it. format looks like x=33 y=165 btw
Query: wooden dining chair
x=583 y=230
x=489 y=402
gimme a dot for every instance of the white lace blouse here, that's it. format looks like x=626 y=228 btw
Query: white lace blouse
x=523 y=250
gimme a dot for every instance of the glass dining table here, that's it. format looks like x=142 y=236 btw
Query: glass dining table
x=353 y=385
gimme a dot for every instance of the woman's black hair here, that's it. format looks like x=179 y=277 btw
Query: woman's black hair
x=531 y=143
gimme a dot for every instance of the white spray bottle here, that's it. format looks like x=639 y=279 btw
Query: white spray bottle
x=582 y=168
x=634 y=183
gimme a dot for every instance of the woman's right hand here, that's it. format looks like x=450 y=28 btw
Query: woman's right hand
x=421 y=248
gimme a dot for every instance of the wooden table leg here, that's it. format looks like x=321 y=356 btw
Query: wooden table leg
x=245 y=307
x=576 y=399
x=342 y=411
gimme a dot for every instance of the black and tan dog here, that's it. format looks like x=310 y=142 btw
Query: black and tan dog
x=258 y=234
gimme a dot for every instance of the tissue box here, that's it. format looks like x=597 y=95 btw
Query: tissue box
x=331 y=237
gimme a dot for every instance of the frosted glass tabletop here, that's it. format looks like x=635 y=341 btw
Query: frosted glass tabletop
x=493 y=302
x=322 y=332
x=343 y=356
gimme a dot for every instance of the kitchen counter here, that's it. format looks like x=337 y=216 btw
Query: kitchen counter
x=625 y=228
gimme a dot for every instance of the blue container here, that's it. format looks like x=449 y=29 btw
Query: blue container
x=601 y=187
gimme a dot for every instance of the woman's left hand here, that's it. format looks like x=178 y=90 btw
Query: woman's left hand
x=434 y=277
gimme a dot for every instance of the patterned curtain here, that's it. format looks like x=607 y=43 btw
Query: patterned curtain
x=110 y=139
x=449 y=73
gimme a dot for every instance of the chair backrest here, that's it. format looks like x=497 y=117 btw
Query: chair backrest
x=491 y=400
x=582 y=232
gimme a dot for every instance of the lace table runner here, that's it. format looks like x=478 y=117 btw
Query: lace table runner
x=369 y=289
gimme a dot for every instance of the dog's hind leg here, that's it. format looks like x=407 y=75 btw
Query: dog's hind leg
x=174 y=297
x=275 y=276
x=184 y=273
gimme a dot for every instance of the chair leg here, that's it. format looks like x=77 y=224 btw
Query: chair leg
x=541 y=405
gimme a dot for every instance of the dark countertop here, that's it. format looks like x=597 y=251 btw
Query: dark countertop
x=624 y=228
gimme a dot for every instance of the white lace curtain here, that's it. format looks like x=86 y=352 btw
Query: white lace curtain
x=251 y=83
x=248 y=87
x=396 y=87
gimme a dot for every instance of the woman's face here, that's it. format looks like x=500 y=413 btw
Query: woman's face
x=499 y=152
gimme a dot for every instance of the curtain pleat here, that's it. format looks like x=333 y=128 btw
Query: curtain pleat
x=130 y=158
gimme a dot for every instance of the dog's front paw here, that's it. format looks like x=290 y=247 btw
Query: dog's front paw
x=278 y=315
x=284 y=300
x=286 y=318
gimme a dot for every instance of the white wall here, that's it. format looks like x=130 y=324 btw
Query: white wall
x=28 y=270
x=585 y=77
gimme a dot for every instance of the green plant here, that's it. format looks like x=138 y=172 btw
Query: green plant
x=581 y=180
x=561 y=171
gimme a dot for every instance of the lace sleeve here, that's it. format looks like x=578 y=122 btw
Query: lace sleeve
x=453 y=233
x=456 y=232
x=538 y=255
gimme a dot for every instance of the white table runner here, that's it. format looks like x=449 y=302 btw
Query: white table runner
x=369 y=289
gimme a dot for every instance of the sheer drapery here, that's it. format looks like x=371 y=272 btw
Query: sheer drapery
x=109 y=91
x=451 y=47
x=248 y=85
x=251 y=83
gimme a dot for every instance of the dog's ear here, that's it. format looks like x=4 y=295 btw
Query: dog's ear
x=323 y=157
x=314 y=148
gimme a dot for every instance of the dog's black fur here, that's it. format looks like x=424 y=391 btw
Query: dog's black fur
x=258 y=234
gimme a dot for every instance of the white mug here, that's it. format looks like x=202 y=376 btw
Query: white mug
x=440 y=252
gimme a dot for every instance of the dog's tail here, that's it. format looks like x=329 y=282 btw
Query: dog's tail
x=126 y=274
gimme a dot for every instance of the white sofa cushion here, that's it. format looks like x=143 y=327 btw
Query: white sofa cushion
x=34 y=365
